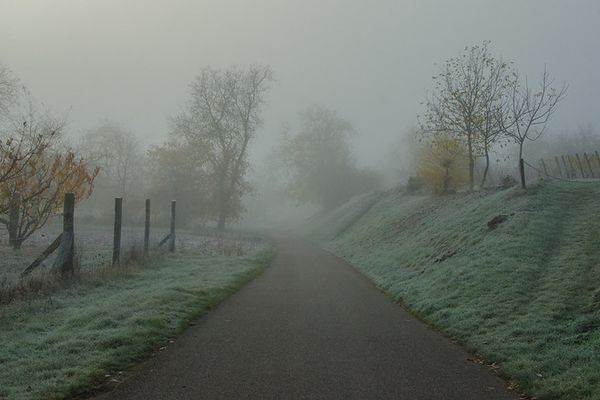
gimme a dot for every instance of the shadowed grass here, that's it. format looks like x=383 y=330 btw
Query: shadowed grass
x=51 y=348
x=525 y=295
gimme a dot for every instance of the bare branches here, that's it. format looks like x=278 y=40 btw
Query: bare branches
x=468 y=93
x=117 y=153
x=529 y=110
x=482 y=101
x=220 y=121
x=8 y=90
x=40 y=173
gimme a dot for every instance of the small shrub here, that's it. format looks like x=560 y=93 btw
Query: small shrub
x=443 y=165
x=414 y=185
x=507 y=181
x=132 y=254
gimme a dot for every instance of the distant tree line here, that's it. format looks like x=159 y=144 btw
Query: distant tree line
x=204 y=162
x=317 y=160
x=479 y=104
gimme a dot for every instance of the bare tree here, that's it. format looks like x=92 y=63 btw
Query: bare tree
x=25 y=133
x=529 y=112
x=494 y=107
x=318 y=162
x=222 y=116
x=118 y=155
x=468 y=94
x=178 y=171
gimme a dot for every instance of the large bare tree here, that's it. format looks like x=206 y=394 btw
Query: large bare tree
x=222 y=116
x=318 y=162
x=119 y=156
x=467 y=95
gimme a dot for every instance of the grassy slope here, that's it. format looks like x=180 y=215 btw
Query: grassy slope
x=51 y=348
x=525 y=295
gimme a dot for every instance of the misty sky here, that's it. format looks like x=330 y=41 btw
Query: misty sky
x=372 y=61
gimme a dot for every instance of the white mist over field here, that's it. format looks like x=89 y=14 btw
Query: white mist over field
x=131 y=61
x=129 y=65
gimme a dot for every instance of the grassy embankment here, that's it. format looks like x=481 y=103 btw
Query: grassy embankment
x=52 y=348
x=525 y=296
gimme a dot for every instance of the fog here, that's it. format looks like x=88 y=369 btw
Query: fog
x=388 y=180
x=131 y=61
x=372 y=62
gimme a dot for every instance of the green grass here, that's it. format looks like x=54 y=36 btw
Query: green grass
x=525 y=295
x=52 y=348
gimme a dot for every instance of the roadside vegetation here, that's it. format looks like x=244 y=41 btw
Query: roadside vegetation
x=513 y=275
x=87 y=334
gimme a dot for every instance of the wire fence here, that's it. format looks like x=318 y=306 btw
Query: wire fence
x=569 y=167
x=64 y=243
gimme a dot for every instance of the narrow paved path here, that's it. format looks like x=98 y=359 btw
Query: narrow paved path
x=310 y=327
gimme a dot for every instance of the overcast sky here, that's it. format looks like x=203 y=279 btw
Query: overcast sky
x=372 y=61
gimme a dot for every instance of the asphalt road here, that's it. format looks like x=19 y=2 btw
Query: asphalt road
x=310 y=327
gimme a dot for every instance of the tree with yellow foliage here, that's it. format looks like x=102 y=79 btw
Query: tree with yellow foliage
x=443 y=165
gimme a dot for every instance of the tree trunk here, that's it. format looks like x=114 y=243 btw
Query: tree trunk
x=223 y=212
x=487 y=167
x=13 y=222
x=221 y=221
x=471 y=164
x=521 y=166
x=223 y=205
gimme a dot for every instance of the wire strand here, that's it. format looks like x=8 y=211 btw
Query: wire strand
x=561 y=179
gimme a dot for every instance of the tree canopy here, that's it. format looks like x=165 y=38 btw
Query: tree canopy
x=318 y=161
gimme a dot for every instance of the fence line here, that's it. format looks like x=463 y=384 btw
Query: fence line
x=573 y=168
x=65 y=242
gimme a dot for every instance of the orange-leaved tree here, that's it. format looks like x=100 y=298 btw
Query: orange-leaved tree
x=36 y=173
x=37 y=193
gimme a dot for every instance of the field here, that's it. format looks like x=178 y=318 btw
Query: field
x=86 y=334
x=94 y=246
x=523 y=295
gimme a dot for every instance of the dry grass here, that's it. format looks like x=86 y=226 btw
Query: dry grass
x=94 y=256
x=44 y=283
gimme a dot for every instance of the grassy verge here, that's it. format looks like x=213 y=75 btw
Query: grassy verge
x=53 y=347
x=525 y=296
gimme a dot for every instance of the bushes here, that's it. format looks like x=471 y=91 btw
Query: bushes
x=443 y=165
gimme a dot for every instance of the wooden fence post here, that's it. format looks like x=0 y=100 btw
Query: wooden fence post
x=598 y=159
x=567 y=172
x=589 y=164
x=172 y=235
x=147 y=228
x=580 y=165
x=522 y=172
x=117 y=232
x=66 y=251
x=573 y=171
x=558 y=166
x=544 y=166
